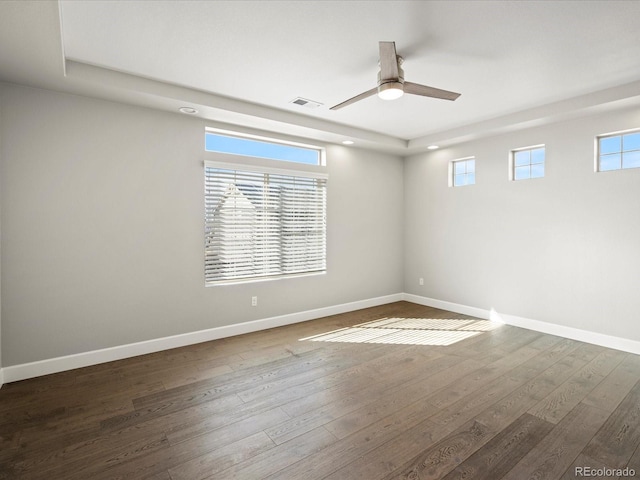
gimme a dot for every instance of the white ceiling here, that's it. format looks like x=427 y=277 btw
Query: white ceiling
x=515 y=62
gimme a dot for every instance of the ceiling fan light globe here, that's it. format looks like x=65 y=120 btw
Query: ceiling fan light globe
x=390 y=90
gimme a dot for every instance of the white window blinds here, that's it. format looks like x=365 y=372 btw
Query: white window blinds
x=263 y=223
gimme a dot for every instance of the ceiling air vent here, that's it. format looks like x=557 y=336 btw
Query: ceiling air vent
x=306 y=103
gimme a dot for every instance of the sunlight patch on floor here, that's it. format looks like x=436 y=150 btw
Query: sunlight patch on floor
x=407 y=331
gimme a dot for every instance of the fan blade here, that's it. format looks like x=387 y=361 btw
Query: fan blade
x=425 y=91
x=388 y=61
x=366 y=94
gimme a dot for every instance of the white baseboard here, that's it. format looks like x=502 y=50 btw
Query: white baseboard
x=59 y=364
x=1 y=377
x=452 y=307
x=609 y=341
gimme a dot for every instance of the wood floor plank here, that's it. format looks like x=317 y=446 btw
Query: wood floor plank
x=499 y=340
x=347 y=399
x=438 y=460
x=280 y=457
x=357 y=445
x=634 y=462
x=259 y=404
x=558 y=450
x=210 y=464
x=562 y=400
x=401 y=398
x=316 y=363
x=160 y=476
x=619 y=436
x=179 y=452
x=466 y=400
x=391 y=455
x=357 y=378
x=184 y=430
x=503 y=451
x=474 y=403
x=550 y=370
x=86 y=460
x=78 y=424
x=612 y=390
x=169 y=416
x=369 y=363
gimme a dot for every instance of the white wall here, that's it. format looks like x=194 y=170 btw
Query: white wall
x=563 y=249
x=102 y=229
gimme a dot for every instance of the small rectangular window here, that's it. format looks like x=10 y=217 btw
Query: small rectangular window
x=616 y=151
x=462 y=172
x=262 y=148
x=526 y=163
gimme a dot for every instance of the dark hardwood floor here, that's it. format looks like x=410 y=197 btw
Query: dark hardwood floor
x=391 y=392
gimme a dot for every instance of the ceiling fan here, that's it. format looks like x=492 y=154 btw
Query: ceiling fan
x=391 y=84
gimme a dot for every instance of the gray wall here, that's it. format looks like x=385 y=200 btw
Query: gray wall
x=102 y=229
x=102 y=209
x=1 y=156
x=562 y=249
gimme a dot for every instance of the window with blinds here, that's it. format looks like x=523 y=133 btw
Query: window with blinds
x=262 y=223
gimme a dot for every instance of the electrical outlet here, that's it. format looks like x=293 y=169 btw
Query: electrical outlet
x=254 y=301
x=421 y=281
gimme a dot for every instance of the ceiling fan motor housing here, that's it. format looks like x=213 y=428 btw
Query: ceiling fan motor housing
x=396 y=84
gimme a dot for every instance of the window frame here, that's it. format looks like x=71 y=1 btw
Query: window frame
x=265 y=166
x=269 y=140
x=452 y=171
x=530 y=149
x=621 y=152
